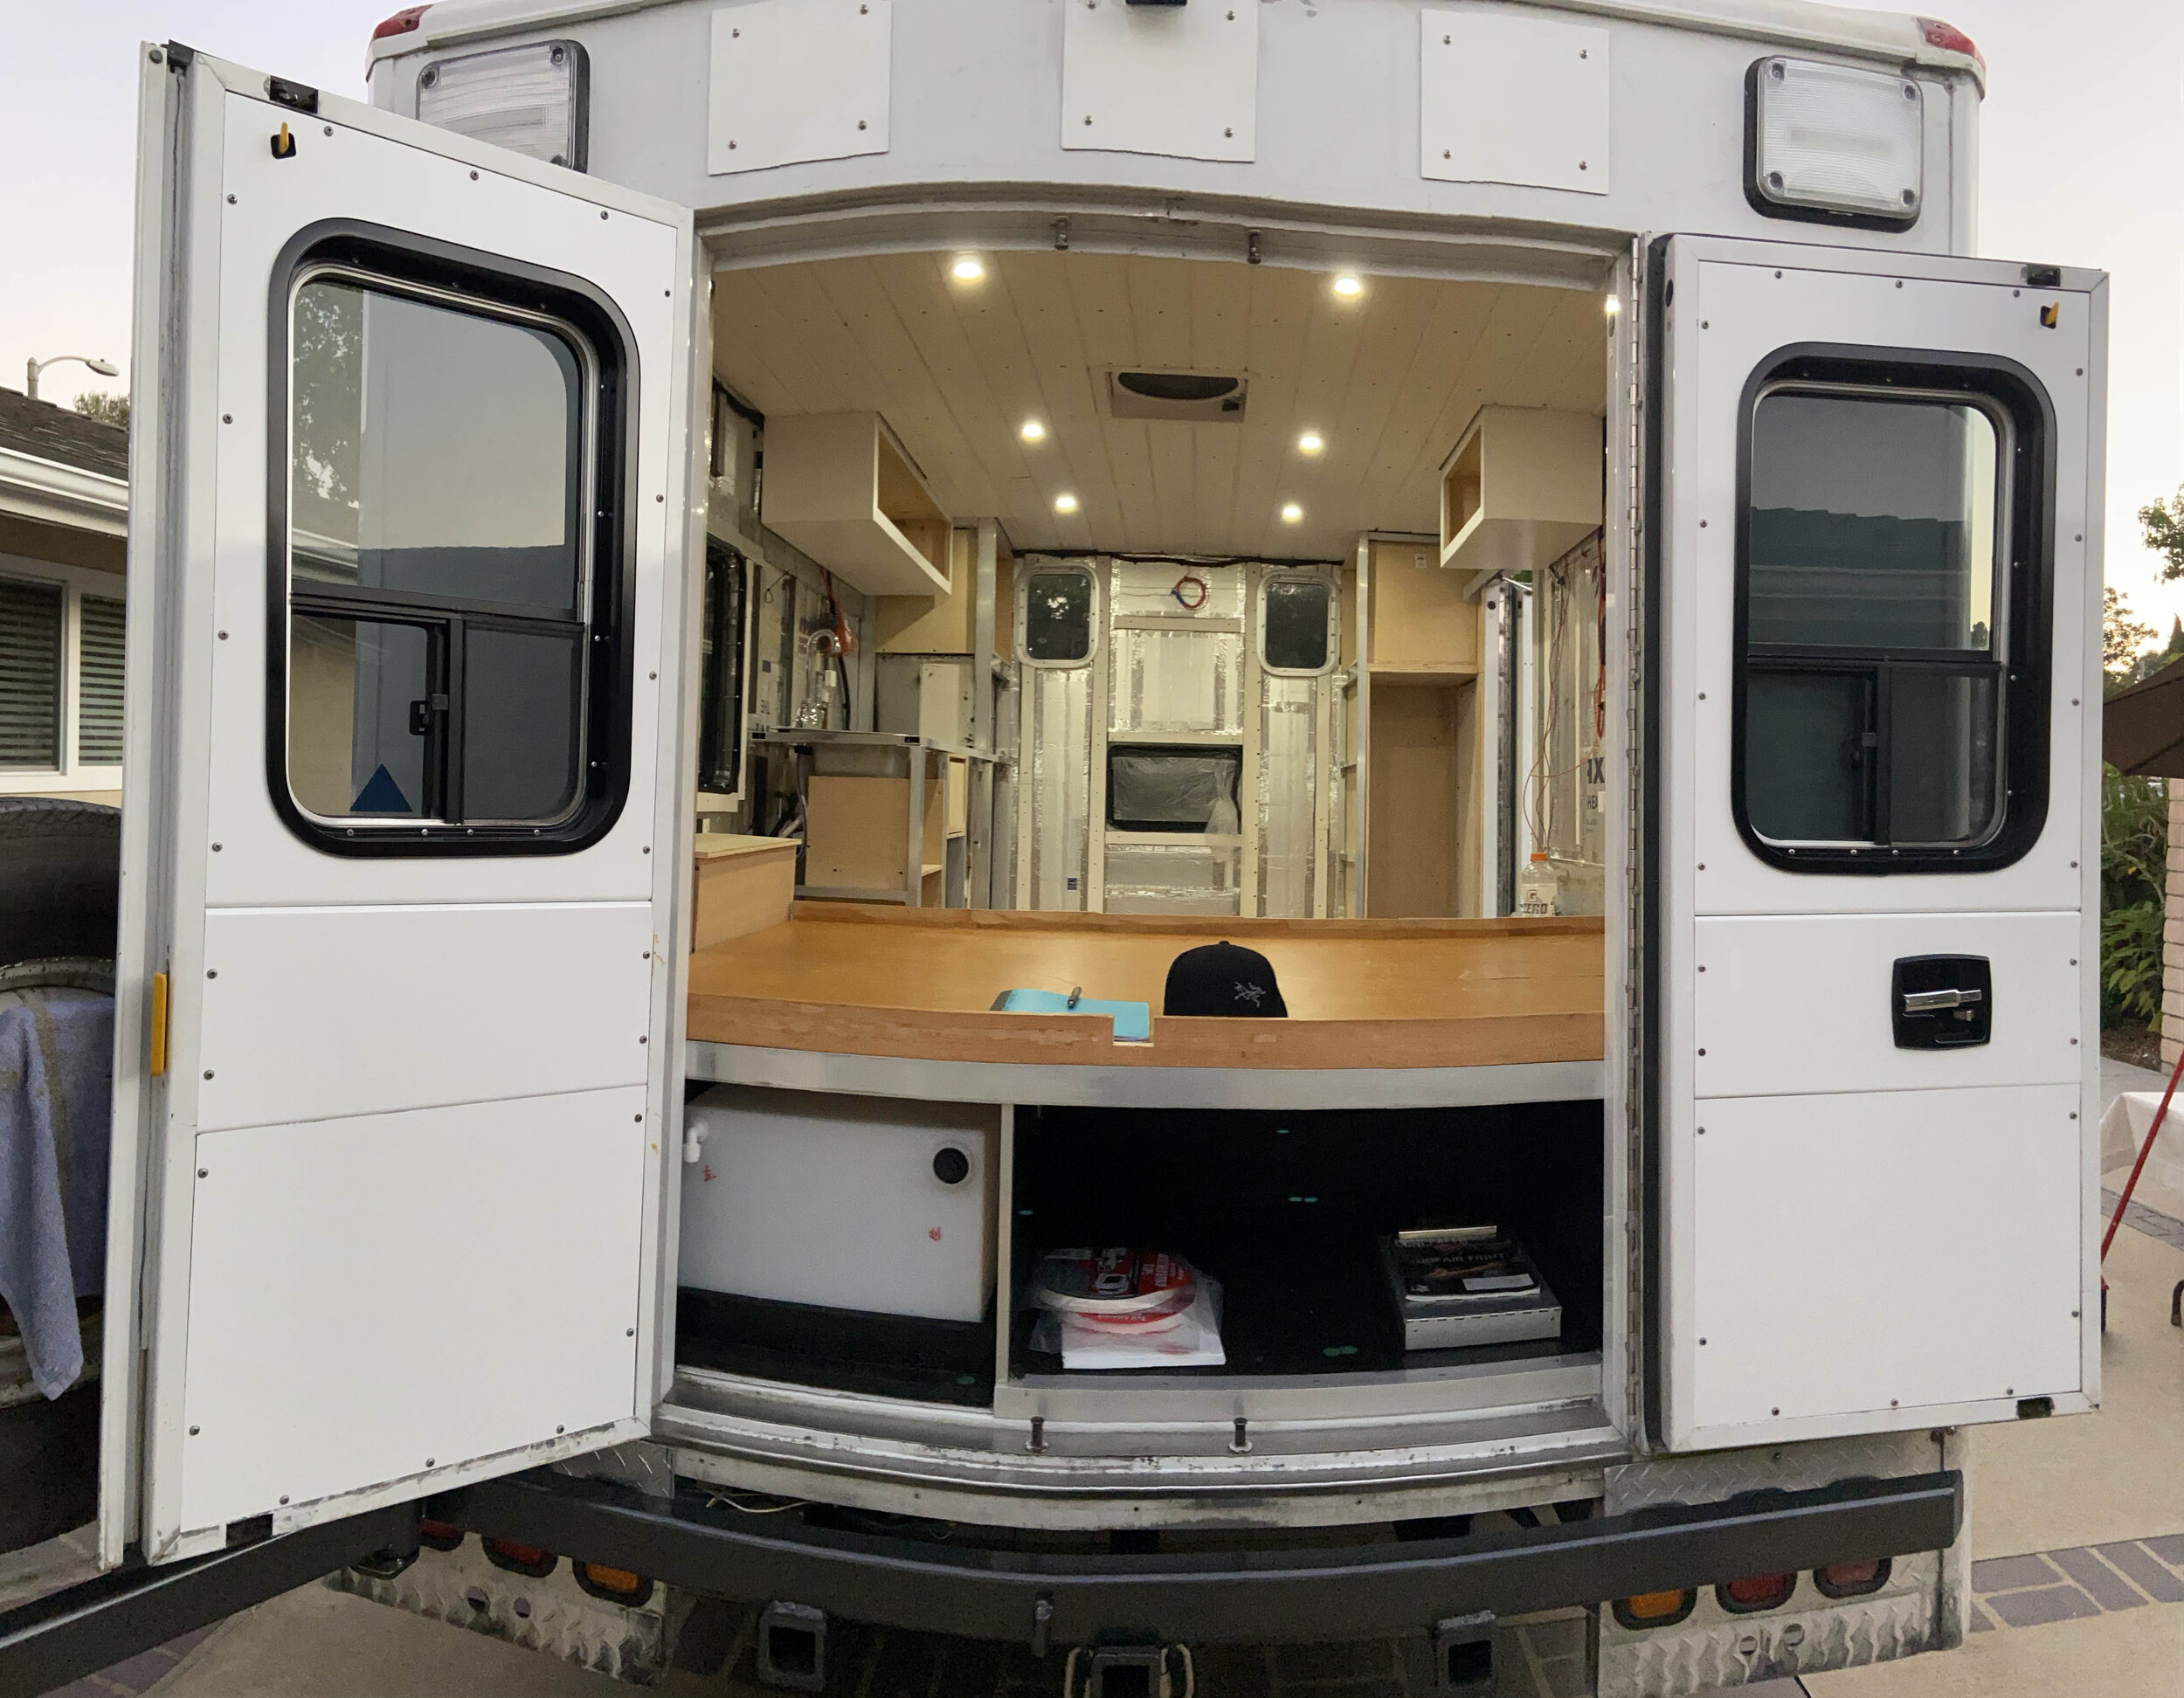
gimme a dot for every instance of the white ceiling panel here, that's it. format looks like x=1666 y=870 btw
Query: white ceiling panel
x=1389 y=380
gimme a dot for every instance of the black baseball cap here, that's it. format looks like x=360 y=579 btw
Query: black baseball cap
x=1223 y=978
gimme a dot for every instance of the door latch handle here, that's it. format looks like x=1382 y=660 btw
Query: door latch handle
x=1929 y=1001
x=421 y=714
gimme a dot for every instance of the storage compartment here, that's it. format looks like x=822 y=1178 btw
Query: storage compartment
x=841 y=1202
x=742 y=885
x=857 y=831
x=1287 y=1211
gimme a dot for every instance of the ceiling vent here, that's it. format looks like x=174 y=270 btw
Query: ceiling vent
x=1202 y=397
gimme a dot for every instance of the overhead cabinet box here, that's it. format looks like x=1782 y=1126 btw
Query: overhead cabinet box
x=1522 y=489
x=841 y=488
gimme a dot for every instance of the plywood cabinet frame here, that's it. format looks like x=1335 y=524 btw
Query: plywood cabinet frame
x=842 y=488
x=1521 y=487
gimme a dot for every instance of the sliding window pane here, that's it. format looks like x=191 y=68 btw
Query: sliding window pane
x=29 y=674
x=1942 y=757
x=359 y=713
x=522 y=749
x=1805 y=762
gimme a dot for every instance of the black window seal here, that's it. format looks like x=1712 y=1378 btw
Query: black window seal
x=398 y=258
x=2024 y=663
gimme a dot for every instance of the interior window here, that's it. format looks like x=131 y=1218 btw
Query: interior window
x=1875 y=588
x=1173 y=788
x=1057 y=616
x=438 y=593
x=1295 y=624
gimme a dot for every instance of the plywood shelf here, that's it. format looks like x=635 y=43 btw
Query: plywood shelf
x=1449 y=672
x=1520 y=489
x=842 y=489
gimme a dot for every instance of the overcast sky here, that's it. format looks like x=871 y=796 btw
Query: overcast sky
x=2081 y=135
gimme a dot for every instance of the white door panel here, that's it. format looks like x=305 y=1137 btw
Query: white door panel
x=473 y=1002
x=1868 y=1237
x=409 y=582
x=513 y=1228
x=1880 y=1253
x=1790 y=1004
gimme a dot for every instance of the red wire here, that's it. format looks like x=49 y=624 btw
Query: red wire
x=2144 y=1150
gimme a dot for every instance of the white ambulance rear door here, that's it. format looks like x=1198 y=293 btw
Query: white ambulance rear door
x=1873 y=596
x=412 y=458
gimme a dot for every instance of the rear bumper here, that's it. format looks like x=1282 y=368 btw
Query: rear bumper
x=1259 y=1595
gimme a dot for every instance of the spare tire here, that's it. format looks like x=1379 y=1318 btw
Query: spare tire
x=60 y=880
x=60 y=886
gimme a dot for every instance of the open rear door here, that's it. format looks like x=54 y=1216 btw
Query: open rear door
x=406 y=557
x=1873 y=582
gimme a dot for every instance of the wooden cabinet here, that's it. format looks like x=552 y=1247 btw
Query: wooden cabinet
x=743 y=884
x=1521 y=489
x=842 y=489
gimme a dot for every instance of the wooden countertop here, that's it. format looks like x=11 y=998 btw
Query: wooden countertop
x=873 y=980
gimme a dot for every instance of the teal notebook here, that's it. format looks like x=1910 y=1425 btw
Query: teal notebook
x=1133 y=1020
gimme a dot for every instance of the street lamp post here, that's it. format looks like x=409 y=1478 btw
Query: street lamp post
x=31 y=367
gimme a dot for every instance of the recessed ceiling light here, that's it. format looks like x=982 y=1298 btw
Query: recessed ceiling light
x=968 y=268
x=1032 y=431
x=1348 y=287
x=1291 y=513
x=1065 y=503
x=1311 y=442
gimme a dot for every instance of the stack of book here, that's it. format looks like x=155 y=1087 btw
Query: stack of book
x=1457 y=1286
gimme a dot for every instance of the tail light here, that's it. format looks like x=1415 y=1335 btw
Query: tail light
x=439 y=1536
x=1755 y=1592
x=1950 y=39
x=615 y=1585
x=1851 y=1579
x=401 y=24
x=520 y=1558
x=1660 y=1609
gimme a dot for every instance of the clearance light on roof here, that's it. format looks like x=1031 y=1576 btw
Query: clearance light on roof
x=1829 y=142
x=1950 y=39
x=531 y=99
x=402 y=22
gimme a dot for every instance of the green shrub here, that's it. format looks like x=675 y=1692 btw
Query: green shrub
x=2135 y=882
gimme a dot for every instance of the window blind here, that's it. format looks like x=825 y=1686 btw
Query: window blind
x=30 y=674
x=99 y=683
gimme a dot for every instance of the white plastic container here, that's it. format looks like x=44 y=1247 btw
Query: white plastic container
x=847 y=1202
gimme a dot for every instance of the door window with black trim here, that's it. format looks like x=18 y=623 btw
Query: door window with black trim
x=439 y=558
x=1876 y=588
